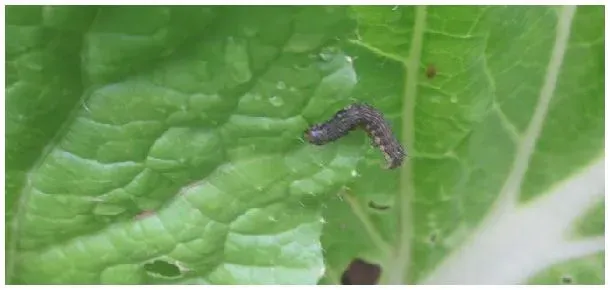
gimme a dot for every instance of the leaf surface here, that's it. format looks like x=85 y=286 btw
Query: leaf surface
x=156 y=145
x=502 y=112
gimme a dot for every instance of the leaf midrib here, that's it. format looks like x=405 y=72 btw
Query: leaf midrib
x=398 y=264
x=507 y=200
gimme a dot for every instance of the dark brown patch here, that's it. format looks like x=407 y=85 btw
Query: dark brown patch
x=365 y=117
x=431 y=71
x=359 y=272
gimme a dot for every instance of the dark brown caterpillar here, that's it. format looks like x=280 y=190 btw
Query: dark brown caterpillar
x=363 y=116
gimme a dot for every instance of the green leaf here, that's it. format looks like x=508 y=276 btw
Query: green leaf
x=578 y=271
x=501 y=109
x=163 y=145
x=189 y=165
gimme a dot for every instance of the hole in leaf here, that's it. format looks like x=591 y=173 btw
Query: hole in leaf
x=360 y=272
x=162 y=268
x=377 y=206
x=566 y=280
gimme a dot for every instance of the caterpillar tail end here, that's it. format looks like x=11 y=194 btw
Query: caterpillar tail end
x=393 y=163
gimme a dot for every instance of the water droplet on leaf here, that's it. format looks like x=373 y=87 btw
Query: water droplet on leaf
x=237 y=59
x=325 y=56
x=300 y=66
x=435 y=99
x=250 y=31
x=276 y=101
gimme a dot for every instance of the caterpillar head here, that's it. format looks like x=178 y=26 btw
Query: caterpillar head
x=315 y=135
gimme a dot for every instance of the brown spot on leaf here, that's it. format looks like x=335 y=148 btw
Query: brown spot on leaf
x=431 y=71
x=360 y=272
x=144 y=214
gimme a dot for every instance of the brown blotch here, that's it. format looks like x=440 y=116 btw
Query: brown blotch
x=144 y=214
x=360 y=272
x=431 y=71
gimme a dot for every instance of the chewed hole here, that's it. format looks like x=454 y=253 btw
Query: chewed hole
x=566 y=280
x=163 y=268
x=378 y=206
x=360 y=272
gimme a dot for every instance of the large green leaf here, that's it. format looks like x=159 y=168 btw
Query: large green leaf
x=164 y=144
x=505 y=141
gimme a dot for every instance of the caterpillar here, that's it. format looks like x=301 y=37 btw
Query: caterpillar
x=364 y=116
